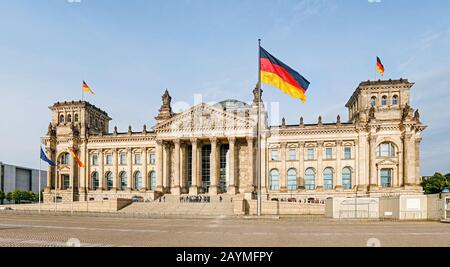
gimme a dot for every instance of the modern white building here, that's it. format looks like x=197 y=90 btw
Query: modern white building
x=20 y=178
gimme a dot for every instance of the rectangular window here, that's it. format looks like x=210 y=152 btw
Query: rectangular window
x=94 y=160
x=310 y=153
x=65 y=181
x=328 y=153
x=152 y=158
x=386 y=177
x=347 y=152
x=108 y=159
x=206 y=167
x=274 y=155
x=137 y=159
x=189 y=165
x=292 y=154
x=123 y=159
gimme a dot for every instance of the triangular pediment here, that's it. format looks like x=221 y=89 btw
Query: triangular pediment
x=203 y=119
x=387 y=161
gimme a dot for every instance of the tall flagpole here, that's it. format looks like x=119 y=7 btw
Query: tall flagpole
x=39 y=187
x=258 y=125
x=56 y=183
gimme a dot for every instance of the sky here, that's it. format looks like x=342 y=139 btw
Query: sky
x=130 y=51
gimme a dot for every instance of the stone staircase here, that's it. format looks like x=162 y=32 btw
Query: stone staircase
x=173 y=206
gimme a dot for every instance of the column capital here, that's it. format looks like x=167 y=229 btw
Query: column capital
x=159 y=141
x=231 y=139
x=194 y=140
x=144 y=149
x=301 y=144
x=339 y=142
x=213 y=140
x=177 y=141
x=320 y=143
x=129 y=150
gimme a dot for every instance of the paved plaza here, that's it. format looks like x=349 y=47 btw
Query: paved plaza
x=97 y=230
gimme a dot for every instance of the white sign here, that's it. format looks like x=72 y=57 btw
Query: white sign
x=388 y=213
x=413 y=204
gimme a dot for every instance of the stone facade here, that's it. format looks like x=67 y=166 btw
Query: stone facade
x=212 y=149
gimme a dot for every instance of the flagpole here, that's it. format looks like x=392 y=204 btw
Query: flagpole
x=258 y=125
x=56 y=183
x=39 y=187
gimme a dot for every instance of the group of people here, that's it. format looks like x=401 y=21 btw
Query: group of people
x=195 y=199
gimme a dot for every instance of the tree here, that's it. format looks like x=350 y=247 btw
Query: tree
x=9 y=196
x=436 y=183
x=2 y=196
x=16 y=196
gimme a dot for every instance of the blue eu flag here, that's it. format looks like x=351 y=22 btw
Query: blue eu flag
x=44 y=158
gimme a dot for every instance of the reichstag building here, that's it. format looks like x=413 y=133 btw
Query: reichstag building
x=211 y=149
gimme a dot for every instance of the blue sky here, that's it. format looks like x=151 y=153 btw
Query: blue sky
x=130 y=51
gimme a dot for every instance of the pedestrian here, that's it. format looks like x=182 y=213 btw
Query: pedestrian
x=220 y=198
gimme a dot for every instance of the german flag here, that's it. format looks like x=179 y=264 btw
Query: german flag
x=280 y=75
x=74 y=154
x=86 y=88
x=380 y=66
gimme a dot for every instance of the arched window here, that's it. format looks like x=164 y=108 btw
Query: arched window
x=328 y=178
x=386 y=149
x=109 y=180
x=123 y=181
x=76 y=117
x=65 y=159
x=384 y=100
x=69 y=118
x=152 y=182
x=94 y=181
x=137 y=180
x=395 y=100
x=292 y=179
x=373 y=101
x=274 y=180
x=310 y=179
x=347 y=178
x=61 y=118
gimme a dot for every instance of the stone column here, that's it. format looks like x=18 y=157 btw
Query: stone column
x=338 y=172
x=183 y=172
x=130 y=185
x=264 y=170
x=115 y=170
x=82 y=174
x=251 y=168
x=144 y=169
x=355 y=172
x=283 y=176
x=175 y=190
x=417 y=160
x=193 y=190
x=101 y=174
x=166 y=168
x=301 y=165
x=319 y=171
x=373 y=179
x=232 y=167
x=73 y=166
x=159 y=166
x=400 y=181
x=213 y=187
